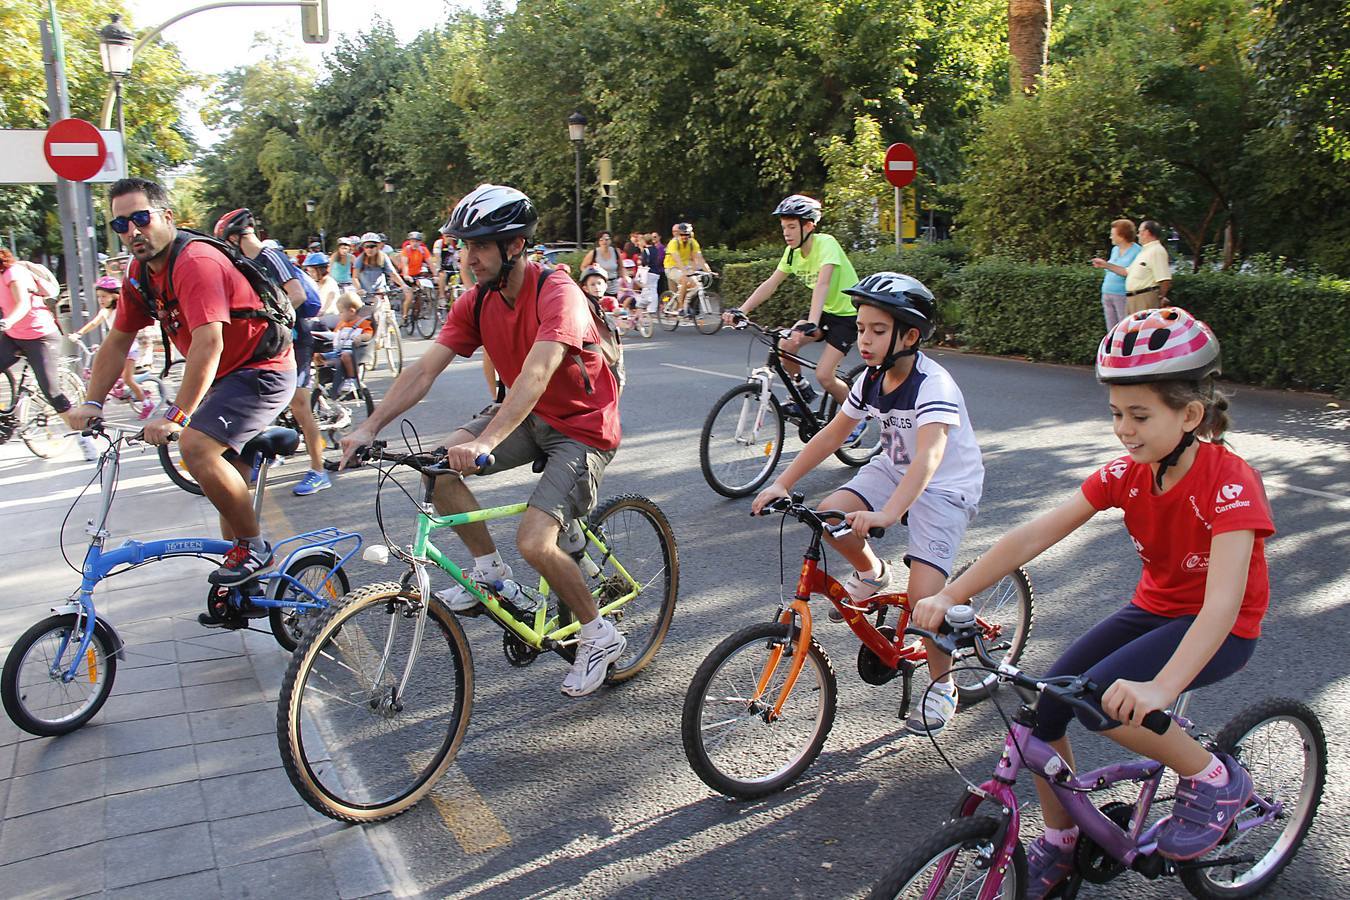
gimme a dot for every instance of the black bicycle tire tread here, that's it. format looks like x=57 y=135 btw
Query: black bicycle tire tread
x=841 y=454
x=1224 y=742
x=287 y=693
x=309 y=559
x=971 y=696
x=183 y=481
x=689 y=717
x=706 y=464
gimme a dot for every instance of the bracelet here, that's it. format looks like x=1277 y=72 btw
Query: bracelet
x=177 y=416
x=94 y=403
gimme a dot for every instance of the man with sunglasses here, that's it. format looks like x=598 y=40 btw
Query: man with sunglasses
x=239 y=374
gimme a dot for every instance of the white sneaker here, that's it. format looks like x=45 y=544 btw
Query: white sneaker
x=88 y=447
x=860 y=589
x=592 y=662
x=934 y=712
x=460 y=600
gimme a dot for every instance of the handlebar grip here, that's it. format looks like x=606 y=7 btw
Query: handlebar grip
x=484 y=460
x=1158 y=722
x=876 y=532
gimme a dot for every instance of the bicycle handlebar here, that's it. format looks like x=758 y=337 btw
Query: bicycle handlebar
x=429 y=462
x=961 y=631
x=816 y=519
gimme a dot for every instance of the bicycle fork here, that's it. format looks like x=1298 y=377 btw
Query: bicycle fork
x=390 y=705
x=748 y=425
x=796 y=611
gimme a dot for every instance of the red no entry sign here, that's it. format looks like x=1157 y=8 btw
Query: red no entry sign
x=901 y=164
x=74 y=149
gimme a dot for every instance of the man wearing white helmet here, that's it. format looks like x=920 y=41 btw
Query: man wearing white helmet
x=562 y=405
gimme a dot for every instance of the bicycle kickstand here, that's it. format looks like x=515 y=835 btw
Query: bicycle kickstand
x=906 y=669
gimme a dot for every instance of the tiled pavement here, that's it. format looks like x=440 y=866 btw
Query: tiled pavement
x=175 y=789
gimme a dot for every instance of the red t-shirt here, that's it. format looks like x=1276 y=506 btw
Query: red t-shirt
x=207 y=288
x=563 y=315
x=1172 y=531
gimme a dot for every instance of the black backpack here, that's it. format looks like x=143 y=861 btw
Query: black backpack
x=276 y=307
x=610 y=345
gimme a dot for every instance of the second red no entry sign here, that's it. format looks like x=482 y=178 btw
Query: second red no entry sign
x=901 y=164
x=74 y=149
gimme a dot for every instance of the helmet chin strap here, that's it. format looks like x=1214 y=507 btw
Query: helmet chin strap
x=508 y=263
x=1172 y=458
x=801 y=244
x=892 y=356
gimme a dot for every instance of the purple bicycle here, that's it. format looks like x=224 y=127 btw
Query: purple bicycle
x=1280 y=742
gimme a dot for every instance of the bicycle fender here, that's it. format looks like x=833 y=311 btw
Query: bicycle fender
x=101 y=625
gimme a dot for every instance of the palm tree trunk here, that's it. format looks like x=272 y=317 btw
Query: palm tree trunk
x=1028 y=39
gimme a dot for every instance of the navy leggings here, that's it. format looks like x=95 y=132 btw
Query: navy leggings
x=1135 y=645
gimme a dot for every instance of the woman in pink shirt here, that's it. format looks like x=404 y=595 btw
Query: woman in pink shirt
x=28 y=327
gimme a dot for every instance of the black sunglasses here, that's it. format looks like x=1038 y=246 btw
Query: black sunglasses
x=140 y=218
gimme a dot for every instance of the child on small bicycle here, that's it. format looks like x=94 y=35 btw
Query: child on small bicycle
x=1198 y=517
x=928 y=475
x=106 y=291
x=350 y=333
x=821 y=264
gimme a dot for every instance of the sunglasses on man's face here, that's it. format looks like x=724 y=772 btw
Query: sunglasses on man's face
x=140 y=218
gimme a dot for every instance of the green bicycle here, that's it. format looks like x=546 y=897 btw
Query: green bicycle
x=376 y=701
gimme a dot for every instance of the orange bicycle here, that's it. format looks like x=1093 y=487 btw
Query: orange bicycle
x=761 y=705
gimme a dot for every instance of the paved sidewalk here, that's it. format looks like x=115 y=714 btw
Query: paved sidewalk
x=175 y=789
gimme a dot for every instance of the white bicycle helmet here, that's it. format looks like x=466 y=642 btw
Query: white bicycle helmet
x=493 y=212
x=799 y=206
x=371 y=237
x=1157 y=345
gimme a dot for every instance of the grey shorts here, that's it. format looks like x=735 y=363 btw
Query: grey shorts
x=570 y=484
x=937 y=521
x=240 y=405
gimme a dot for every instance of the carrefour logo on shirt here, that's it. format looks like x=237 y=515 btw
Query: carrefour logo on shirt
x=1227 y=498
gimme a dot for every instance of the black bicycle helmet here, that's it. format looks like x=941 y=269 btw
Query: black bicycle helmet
x=799 y=206
x=493 y=212
x=906 y=299
x=234 y=222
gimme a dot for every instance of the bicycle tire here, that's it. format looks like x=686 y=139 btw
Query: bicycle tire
x=393 y=348
x=330 y=783
x=16 y=690
x=666 y=312
x=906 y=878
x=41 y=427
x=656 y=565
x=721 y=476
x=428 y=317
x=710 y=764
x=8 y=394
x=311 y=570
x=1237 y=739
x=866 y=445
x=708 y=319
x=336 y=418
x=172 y=463
x=992 y=606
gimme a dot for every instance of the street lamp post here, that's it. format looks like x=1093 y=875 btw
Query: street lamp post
x=576 y=132
x=310 y=207
x=116 y=44
x=388 y=204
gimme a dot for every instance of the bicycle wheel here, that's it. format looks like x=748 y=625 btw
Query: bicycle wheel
x=668 y=311
x=393 y=347
x=727 y=737
x=428 y=317
x=708 y=316
x=7 y=392
x=640 y=539
x=867 y=444
x=171 y=461
x=1005 y=611
x=44 y=704
x=953 y=862
x=741 y=441
x=1281 y=744
x=40 y=426
x=644 y=324
x=312 y=570
x=338 y=417
x=355 y=748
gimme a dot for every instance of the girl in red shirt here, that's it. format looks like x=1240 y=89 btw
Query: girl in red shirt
x=1197 y=515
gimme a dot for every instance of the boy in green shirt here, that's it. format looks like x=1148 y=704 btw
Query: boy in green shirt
x=821 y=264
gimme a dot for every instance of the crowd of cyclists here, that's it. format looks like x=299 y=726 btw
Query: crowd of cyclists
x=1184 y=494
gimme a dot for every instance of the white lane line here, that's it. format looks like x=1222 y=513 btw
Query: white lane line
x=704 y=371
x=1284 y=485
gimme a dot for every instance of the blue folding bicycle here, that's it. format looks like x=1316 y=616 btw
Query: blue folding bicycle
x=60 y=672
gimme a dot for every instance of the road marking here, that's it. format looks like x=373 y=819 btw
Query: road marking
x=467 y=815
x=1325 y=495
x=704 y=371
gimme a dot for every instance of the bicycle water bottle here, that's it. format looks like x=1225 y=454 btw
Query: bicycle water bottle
x=519 y=597
x=572 y=541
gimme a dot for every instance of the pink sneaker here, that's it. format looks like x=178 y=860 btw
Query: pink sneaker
x=146 y=408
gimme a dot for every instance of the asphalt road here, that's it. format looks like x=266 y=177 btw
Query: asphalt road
x=553 y=797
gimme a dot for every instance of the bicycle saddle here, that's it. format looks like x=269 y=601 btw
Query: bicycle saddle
x=273 y=442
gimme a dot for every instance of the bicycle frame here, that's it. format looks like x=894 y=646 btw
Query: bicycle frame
x=544 y=634
x=1022 y=749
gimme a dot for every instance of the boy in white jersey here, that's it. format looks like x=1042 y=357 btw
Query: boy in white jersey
x=929 y=474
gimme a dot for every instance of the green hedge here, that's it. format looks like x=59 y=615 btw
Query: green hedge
x=1276 y=330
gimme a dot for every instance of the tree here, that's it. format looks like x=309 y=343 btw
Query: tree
x=855 y=191
x=1028 y=40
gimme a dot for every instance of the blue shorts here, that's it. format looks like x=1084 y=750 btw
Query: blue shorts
x=241 y=404
x=304 y=350
x=1133 y=644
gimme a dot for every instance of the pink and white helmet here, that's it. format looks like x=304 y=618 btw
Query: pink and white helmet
x=1157 y=345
